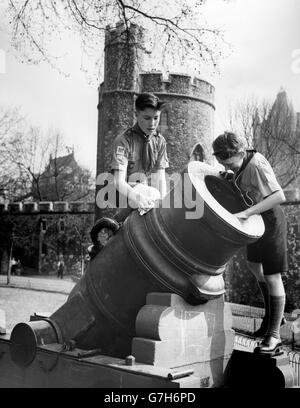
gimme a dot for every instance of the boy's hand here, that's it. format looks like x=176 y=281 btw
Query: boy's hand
x=226 y=175
x=144 y=203
x=243 y=215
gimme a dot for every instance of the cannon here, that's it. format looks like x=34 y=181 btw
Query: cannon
x=170 y=249
x=180 y=247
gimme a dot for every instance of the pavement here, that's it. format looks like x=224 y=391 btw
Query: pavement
x=42 y=283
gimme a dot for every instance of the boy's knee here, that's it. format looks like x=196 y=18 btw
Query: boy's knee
x=275 y=278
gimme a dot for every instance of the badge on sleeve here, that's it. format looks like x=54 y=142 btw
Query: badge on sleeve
x=120 y=150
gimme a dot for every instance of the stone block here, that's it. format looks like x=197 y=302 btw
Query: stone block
x=2 y=322
x=171 y=332
x=182 y=351
x=295 y=313
x=182 y=320
x=178 y=352
x=3 y=208
x=45 y=206
x=61 y=206
x=15 y=208
x=77 y=206
x=30 y=207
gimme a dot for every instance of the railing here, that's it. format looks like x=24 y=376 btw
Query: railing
x=294 y=359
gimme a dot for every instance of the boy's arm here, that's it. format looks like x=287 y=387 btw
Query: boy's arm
x=126 y=190
x=269 y=202
x=160 y=182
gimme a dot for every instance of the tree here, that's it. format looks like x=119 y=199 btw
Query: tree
x=278 y=138
x=27 y=151
x=271 y=128
x=11 y=121
x=33 y=165
x=171 y=25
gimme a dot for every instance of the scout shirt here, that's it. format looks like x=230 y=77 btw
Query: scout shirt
x=257 y=180
x=127 y=154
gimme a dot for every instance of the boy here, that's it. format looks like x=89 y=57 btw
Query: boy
x=138 y=153
x=101 y=233
x=267 y=258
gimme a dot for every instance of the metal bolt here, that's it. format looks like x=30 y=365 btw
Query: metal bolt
x=130 y=360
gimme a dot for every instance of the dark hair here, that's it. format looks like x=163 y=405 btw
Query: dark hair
x=227 y=145
x=148 y=100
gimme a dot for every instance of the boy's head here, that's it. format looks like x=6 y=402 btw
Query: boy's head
x=229 y=150
x=148 y=100
x=148 y=108
x=104 y=235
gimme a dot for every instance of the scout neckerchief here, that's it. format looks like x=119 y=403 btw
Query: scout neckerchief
x=148 y=156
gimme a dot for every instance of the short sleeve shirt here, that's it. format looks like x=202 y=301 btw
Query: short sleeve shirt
x=258 y=178
x=127 y=153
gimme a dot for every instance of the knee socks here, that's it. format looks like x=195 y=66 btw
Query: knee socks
x=277 y=304
x=264 y=290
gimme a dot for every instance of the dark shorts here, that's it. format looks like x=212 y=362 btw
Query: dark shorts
x=271 y=248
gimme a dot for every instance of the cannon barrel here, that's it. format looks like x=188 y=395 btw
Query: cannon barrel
x=181 y=246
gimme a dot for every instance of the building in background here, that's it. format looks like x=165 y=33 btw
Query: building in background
x=63 y=179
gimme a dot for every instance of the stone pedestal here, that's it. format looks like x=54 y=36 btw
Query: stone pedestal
x=171 y=333
x=2 y=322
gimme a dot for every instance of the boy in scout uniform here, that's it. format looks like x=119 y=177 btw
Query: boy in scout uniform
x=140 y=156
x=254 y=179
x=138 y=164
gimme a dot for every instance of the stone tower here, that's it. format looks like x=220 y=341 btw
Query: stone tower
x=123 y=56
x=188 y=120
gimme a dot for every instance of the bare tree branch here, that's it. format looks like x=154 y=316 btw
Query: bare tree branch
x=270 y=128
x=177 y=28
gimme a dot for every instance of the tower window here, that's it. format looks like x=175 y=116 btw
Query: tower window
x=197 y=153
x=164 y=120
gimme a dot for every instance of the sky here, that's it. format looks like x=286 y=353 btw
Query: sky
x=265 y=56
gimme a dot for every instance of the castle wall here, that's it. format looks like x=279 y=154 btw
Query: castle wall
x=43 y=232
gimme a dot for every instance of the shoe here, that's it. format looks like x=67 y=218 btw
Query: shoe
x=262 y=331
x=270 y=346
